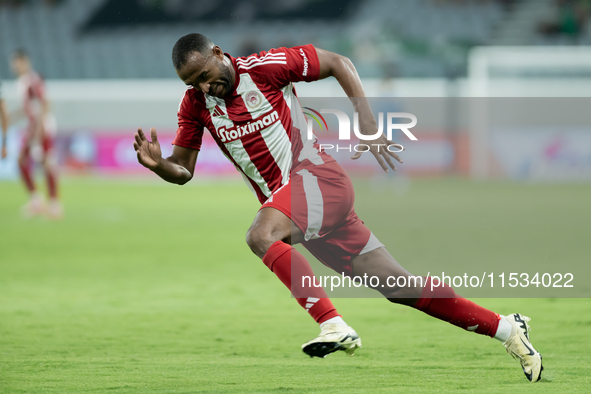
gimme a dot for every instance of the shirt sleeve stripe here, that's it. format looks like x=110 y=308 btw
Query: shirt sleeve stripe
x=260 y=61
x=254 y=57
x=259 y=64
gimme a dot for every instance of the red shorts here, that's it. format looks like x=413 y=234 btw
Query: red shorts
x=319 y=200
x=46 y=143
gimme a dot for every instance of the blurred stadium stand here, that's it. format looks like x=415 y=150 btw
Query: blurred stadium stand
x=72 y=39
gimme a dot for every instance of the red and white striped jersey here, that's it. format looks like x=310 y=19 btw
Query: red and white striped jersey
x=260 y=125
x=31 y=91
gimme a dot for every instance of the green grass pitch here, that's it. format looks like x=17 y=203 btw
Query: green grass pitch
x=146 y=287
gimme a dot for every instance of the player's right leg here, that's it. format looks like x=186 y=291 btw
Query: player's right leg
x=35 y=205
x=54 y=209
x=270 y=237
x=441 y=301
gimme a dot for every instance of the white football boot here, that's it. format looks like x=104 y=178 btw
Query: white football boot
x=55 y=210
x=520 y=348
x=333 y=337
x=34 y=207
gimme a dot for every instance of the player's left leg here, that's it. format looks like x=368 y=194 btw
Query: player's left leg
x=270 y=237
x=401 y=287
x=442 y=302
x=352 y=249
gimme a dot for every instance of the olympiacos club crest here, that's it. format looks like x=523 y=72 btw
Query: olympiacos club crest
x=253 y=99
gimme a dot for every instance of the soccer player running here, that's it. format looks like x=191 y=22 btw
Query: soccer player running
x=250 y=107
x=40 y=128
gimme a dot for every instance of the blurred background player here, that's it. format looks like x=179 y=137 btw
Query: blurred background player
x=39 y=133
x=3 y=124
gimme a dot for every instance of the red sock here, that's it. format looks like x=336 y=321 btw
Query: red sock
x=25 y=170
x=51 y=184
x=279 y=259
x=443 y=303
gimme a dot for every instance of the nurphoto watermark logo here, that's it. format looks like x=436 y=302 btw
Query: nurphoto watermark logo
x=345 y=129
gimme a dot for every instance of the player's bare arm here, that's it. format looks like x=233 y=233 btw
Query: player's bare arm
x=340 y=67
x=4 y=127
x=178 y=168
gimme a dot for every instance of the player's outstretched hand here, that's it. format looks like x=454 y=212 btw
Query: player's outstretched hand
x=4 y=153
x=148 y=152
x=381 y=150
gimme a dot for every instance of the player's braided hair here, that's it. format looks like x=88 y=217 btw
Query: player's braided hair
x=185 y=45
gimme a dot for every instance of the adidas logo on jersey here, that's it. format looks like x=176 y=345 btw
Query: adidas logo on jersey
x=217 y=111
x=236 y=132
